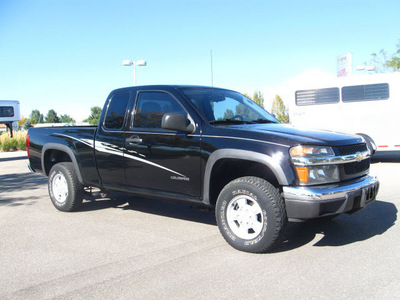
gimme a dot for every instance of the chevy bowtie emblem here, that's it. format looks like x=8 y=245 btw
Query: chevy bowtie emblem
x=359 y=157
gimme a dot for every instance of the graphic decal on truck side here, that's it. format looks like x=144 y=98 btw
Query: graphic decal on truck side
x=120 y=151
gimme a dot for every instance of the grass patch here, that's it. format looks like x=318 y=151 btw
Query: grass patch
x=18 y=142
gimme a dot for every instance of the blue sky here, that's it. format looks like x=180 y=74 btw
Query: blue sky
x=67 y=54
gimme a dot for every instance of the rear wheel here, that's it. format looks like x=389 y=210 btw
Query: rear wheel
x=65 y=190
x=251 y=214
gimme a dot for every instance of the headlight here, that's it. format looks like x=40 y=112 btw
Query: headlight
x=310 y=167
x=311 y=151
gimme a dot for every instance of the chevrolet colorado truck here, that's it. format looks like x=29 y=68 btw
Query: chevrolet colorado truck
x=212 y=147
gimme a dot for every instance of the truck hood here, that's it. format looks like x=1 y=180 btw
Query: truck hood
x=291 y=135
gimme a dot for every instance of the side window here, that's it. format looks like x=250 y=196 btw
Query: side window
x=6 y=111
x=319 y=96
x=367 y=92
x=115 y=116
x=150 y=108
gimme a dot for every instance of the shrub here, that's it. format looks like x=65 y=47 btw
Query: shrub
x=18 y=142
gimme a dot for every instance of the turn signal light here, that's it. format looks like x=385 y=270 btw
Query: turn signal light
x=302 y=172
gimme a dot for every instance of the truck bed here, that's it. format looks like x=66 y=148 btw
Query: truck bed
x=77 y=141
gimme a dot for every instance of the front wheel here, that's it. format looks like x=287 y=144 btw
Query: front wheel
x=65 y=190
x=251 y=214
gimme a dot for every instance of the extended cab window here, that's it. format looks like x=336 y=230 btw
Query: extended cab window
x=115 y=116
x=151 y=106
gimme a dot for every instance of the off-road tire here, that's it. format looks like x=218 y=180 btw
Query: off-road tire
x=251 y=214
x=65 y=191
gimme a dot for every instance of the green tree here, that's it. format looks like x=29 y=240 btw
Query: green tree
x=52 y=117
x=27 y=124
x=228 y=114
x=245 y=113
x=279 y=110
x=94 y=117
x=22 y=121
x=257 y=98
x=36 y=117
x=383 y=63
x=66 y=119
x=394 y=62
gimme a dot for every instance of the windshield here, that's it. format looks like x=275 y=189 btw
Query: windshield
x=220 y=106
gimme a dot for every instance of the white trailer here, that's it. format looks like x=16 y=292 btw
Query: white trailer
x=10 y=113
x=368 y=104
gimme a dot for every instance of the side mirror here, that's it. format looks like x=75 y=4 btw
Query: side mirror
x=178 y=122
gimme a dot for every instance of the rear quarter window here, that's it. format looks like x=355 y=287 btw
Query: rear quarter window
x=116 y=111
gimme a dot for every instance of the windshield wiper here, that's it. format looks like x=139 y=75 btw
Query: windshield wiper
x=228 y=121
x=261 y=121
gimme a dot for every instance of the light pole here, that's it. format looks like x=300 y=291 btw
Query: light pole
x=366 y=68
x=134 y=63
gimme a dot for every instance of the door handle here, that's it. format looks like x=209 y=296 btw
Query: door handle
x=134 y=140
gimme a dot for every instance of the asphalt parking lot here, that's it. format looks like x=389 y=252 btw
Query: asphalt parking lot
x=127 y=248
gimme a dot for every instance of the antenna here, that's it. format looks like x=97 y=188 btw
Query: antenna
x=212 y=72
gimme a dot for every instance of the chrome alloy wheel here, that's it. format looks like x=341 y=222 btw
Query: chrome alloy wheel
x=245 y=217
x=60 y=188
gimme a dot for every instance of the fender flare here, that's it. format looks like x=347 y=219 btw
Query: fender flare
x=269 y=161
x=62 y=148
x=371 y=145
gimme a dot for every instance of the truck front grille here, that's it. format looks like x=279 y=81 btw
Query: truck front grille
x=353 y=169
x=351 y=149
x=356 y=167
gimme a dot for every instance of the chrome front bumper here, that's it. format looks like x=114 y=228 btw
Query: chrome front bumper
x=312 y=202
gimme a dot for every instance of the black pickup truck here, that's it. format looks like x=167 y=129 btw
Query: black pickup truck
x=212 y=147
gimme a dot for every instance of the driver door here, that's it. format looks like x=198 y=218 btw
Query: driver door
x=158 y=159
